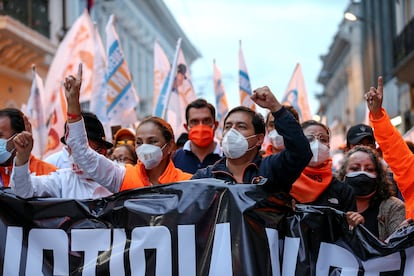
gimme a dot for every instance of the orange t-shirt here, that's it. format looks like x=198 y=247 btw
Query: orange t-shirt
x=136 y=176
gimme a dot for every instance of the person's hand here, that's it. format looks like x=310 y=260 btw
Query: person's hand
x=353 y=219
x=264 y=98
x=374 y=99
x=72 y=86
x=23 y=143
x=27 y=124
x=406 y=223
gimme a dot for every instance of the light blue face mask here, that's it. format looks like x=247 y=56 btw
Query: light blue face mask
x=4 y=153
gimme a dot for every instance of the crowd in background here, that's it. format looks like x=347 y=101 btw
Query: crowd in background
x=371 y=184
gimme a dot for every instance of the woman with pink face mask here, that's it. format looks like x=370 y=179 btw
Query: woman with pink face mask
x=317 y=185
x=364 y=172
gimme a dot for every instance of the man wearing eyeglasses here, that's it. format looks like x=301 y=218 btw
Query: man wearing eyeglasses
x=200 y=150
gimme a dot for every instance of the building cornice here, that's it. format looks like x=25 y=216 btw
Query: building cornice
x=20 y=46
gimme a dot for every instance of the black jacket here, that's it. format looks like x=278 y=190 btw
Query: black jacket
x=280 y=169
x=338 y=195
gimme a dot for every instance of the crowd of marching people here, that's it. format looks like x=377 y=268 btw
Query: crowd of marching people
x=376 y=167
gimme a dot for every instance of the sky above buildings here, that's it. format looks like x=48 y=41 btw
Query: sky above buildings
x=275 y=35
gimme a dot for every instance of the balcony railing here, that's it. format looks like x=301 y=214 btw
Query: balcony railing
x=404 y=43
x=32 y=13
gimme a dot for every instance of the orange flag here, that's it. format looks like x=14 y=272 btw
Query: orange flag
x=297 y=96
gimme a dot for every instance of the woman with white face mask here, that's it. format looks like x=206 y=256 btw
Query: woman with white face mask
x=155 y=144
x=316 y=185
x=364 y=172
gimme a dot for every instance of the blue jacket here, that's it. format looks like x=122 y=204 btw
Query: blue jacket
x=280 y=169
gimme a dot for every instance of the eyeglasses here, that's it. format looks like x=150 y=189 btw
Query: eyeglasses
x=122 y=159
x=125 y=142
x=324 y=139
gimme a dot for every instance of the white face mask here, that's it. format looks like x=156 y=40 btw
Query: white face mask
x=234 y=144
x=149 y=155
x=320 y=153
x=276 y=139
x=4 y=153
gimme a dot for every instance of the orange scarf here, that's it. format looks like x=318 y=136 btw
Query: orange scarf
x=311 y=183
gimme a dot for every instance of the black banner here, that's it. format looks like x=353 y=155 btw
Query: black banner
x=197 y=227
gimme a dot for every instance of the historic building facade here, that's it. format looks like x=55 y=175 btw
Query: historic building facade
x=30 y=33
x=377 y=43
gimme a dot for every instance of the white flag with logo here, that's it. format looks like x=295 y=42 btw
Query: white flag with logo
x=121 y=94
x=245 y=88
x=182 y=94
x=162 y=69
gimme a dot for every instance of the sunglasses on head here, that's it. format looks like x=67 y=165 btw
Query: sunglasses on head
x=125 y=142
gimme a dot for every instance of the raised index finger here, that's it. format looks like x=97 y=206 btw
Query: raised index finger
x=380 y=85
x=79 y=75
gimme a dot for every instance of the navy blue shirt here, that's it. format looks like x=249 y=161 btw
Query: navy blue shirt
x=187 y=161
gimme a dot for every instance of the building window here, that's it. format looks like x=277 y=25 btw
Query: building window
x=32 y=13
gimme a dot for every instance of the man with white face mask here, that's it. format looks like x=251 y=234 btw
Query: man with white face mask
x=12 y=122
x=276 y=143
x=243 y=135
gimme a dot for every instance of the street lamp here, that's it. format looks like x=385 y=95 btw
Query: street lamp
x=350 y=16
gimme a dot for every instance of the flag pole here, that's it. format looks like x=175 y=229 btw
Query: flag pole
x=172 y=78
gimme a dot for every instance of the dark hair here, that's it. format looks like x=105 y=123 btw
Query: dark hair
x=16 y=118
x=182 y=139
x=410 y=145
x=131 y=151
x=309 y=123
x=383 y=190
x=257 y=118
x=200 y=103
x=165 y=127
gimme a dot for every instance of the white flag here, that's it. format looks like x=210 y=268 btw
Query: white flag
x=245 y=88
x=164 y=108
x=35 y=112
x=182 y=94
x=222 y=106
x=77 y=47
x=121 y=94
x=98 y=96
x=162 y=68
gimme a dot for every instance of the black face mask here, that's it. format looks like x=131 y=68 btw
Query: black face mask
x=362 y=184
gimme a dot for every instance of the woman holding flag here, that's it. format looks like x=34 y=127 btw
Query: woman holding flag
x=155 y=144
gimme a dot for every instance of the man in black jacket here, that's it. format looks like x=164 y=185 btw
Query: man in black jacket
x=243 y=135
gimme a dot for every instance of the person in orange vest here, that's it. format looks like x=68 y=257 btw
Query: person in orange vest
x=12 y=122
x=394 y=149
